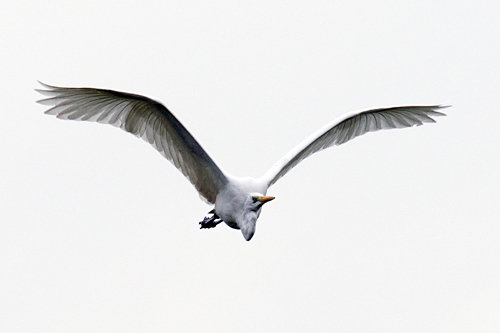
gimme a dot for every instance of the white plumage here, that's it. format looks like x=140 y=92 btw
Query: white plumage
x=238 y=201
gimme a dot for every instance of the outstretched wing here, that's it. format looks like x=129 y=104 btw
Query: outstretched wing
x=347 y=128
x=145 y=118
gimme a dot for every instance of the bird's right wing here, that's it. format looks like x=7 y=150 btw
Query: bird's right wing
x=145 y=118
x=347 y=128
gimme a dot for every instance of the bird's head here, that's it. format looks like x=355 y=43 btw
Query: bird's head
x=253 y=204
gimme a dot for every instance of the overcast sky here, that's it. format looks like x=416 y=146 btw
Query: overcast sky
x=396 y=231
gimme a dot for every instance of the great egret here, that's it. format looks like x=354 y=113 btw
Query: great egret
x=238 y=201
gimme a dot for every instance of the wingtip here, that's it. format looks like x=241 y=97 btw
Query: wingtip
x=43 y=90
x=445 y=106
x=440 y=107
x=44 y=85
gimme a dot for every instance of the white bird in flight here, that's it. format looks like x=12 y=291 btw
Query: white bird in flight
x=238 y=201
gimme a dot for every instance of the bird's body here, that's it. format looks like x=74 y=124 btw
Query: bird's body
x=238 y=201
x=235 y=203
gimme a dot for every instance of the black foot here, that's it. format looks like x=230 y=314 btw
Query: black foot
x=210 y=222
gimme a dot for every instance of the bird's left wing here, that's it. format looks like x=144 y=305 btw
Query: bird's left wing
x=347 y=128
x=145 y=118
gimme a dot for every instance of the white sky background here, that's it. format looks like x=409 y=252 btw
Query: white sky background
x=394 y=231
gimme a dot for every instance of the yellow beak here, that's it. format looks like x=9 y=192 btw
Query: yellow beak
x=265 y=198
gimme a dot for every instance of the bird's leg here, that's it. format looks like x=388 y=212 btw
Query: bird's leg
x=210 y=222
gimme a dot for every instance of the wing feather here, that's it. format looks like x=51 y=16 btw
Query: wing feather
x=145 y=118
x=347 y=128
